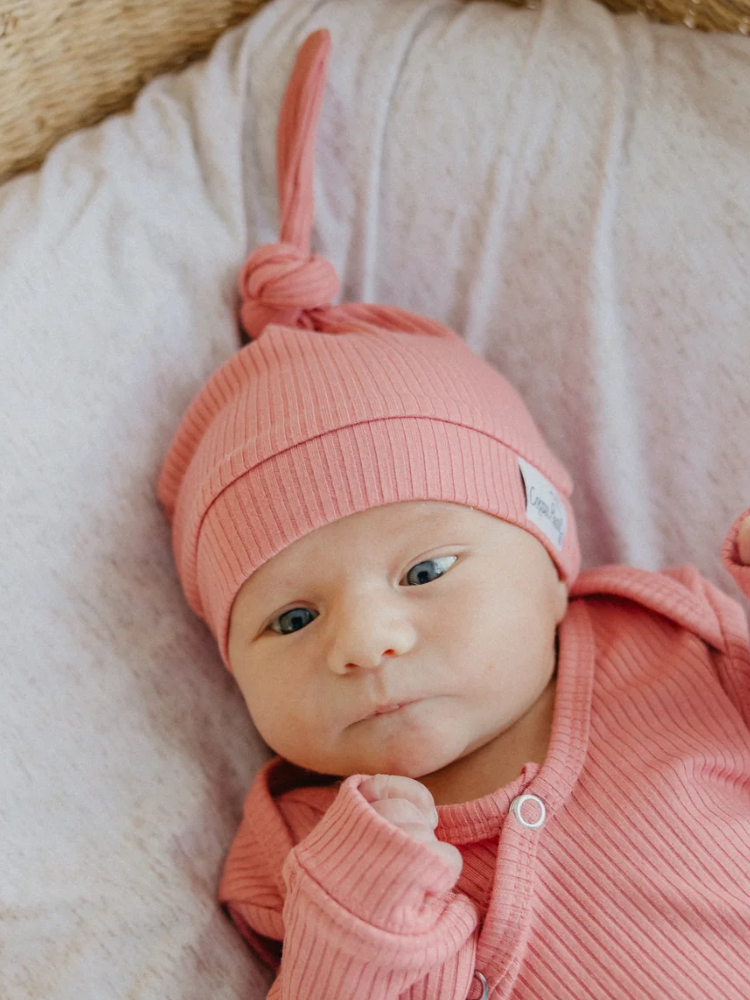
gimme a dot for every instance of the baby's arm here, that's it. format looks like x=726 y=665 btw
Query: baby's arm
x=370 y=907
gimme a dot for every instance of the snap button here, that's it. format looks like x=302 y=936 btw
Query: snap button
x=517 y=805
x=483 y=984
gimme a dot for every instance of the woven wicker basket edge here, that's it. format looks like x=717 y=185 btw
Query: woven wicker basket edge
x=67 y=64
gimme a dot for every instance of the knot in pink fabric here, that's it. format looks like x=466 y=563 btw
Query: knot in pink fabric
x=281 y=284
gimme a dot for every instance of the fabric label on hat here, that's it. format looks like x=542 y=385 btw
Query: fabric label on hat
x=544 y=508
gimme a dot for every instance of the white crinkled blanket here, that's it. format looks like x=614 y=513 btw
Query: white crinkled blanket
x=568 y=189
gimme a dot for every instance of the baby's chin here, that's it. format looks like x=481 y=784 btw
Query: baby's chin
x=408 y=762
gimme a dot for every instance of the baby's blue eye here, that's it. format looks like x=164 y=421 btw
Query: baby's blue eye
x=292 y=621
x=425 y=571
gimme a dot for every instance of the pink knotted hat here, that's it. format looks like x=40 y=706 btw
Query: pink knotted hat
x=331 y=410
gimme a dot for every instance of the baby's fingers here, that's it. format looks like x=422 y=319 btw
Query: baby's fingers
x=409 y=818
x=406 y=815
x=392 y=786
x=743 y=542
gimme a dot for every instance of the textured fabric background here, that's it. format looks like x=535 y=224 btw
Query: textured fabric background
x=506 y=171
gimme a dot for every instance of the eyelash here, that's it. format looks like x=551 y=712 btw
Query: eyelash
x=434 y=559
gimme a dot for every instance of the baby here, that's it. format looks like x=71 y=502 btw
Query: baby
x=495 y=776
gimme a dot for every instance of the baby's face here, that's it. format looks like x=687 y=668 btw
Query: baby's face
x=438 y=605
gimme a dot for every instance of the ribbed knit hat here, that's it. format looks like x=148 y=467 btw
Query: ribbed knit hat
x=331 y=410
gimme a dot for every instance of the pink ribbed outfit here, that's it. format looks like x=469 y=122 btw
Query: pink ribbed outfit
x=636 y=886
x=619 y=869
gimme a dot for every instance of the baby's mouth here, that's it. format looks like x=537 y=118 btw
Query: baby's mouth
x=389 y=708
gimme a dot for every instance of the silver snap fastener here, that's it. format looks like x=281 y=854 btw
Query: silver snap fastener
x=483 y=984
x=517 y=805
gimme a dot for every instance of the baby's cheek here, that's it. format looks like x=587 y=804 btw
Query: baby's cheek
x=282 y=713
x=262 y=703
x=276 y=727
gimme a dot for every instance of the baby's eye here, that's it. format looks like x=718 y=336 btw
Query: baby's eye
x=292 y=621
x=429 y=570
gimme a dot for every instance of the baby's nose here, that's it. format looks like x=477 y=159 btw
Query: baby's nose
x=369 y=639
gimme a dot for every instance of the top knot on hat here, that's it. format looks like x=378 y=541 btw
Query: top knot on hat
x=280 y=284
x=283 y=283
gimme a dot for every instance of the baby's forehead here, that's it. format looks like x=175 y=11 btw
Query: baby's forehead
x=432 y=511
x=391 y=521
x=374 y=531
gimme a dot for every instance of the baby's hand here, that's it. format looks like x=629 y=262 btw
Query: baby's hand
x=409 y=805
x=743 y=542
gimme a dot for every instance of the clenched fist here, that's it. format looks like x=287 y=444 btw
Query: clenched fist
x=409 y=805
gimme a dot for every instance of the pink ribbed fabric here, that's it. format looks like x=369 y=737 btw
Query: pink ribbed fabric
x=635 y=887
x=332 y=410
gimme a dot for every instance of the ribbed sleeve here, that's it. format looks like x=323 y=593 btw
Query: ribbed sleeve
x=369 y=911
